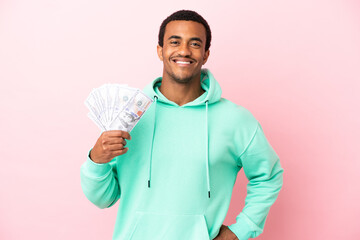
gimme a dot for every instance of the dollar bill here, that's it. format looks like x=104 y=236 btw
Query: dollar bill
x=117 y=107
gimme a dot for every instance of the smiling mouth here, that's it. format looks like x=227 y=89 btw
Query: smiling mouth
x=182 y=62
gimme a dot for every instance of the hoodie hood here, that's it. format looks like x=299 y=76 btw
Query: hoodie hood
x=209 y=84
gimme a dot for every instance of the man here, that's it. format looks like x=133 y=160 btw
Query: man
x=175 y=177
x=127 y=120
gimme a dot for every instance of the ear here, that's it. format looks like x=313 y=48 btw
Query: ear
x=160 y=52
x=206 y=56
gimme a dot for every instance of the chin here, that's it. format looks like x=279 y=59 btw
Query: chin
x=182 y=79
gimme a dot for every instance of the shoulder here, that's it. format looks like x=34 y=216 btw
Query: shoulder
x=234 y=121
x=234 y=113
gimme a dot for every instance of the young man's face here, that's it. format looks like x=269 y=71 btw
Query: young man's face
x=183 y=52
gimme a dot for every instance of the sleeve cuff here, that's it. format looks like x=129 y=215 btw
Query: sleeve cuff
x=242 y=228
x=95 y=170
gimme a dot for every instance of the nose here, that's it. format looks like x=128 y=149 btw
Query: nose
x=184 y=50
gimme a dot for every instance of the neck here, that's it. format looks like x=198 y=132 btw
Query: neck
x=181 y=93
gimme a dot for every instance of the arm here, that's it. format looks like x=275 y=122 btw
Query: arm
x=99 y=183
x=98 y=174
x=262 y=168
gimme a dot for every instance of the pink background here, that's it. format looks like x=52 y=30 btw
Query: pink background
x=294 y=64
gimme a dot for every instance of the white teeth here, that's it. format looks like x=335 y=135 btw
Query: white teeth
x=181 y=62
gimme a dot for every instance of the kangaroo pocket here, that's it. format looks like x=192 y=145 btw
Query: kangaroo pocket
x=157 y=226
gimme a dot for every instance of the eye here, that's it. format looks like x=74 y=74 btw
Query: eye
x=174 y=42
x=196 y=44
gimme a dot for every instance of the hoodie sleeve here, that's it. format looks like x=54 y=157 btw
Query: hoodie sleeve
x=263 y=170
x=99 y=182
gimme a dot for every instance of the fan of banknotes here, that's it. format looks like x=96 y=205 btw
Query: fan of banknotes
x=117 y=106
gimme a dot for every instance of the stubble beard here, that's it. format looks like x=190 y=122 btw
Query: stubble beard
x=179 y=79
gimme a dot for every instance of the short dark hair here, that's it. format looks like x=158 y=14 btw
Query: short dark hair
x=185 y=15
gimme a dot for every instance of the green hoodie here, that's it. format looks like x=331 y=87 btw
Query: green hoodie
x=176 y=180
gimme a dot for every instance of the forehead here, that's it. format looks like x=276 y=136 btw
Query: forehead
x=185 y=29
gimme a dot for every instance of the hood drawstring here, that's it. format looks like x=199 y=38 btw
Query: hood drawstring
x=207 y=148
x=152 y=140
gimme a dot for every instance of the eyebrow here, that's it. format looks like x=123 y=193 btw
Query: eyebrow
x=174 y=36
x=191 y=39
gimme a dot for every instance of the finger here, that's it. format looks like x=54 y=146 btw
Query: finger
x=126 y=135
x=116 y=147
x=118 y=133
x=116 y=141
x=120 y=152
x=113 y=133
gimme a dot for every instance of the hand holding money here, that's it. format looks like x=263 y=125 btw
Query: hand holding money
x=116 y=109
x=110 y=144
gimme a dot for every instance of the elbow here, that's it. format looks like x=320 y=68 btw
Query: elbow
x=100 y=195
x=278 y=178
x=101 y=201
